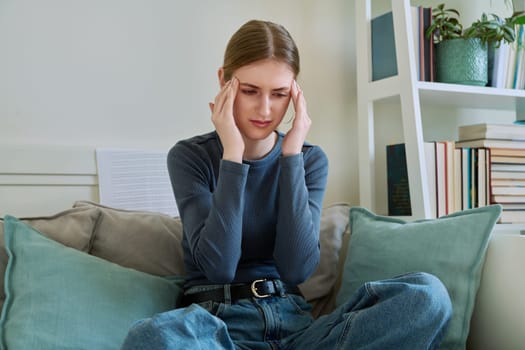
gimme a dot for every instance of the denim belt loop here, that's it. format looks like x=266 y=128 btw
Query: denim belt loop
x=280 y=287
x=227 y=294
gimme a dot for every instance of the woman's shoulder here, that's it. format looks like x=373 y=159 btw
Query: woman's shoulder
x=308 y=147
x=205 y=146
x=199 y=140
x=208 y=140
x=314 y=151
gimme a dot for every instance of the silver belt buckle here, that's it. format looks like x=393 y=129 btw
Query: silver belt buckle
x=254 y=289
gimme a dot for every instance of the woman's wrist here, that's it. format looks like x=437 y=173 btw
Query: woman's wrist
x=232 y=156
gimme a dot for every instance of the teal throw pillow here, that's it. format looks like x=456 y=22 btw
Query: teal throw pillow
x=452 y=248
x=61 y=298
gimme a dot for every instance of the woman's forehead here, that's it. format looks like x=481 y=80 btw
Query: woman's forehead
x=266 y=73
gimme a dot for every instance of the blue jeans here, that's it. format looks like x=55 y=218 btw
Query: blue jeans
x=407 y=312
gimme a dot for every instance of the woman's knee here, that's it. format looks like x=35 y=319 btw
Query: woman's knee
x=432 y=295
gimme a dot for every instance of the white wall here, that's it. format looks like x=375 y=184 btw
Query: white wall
x=140 y=73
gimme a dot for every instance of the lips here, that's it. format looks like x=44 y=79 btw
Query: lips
x=261 y=123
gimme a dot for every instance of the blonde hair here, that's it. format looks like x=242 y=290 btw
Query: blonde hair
x=257 y=40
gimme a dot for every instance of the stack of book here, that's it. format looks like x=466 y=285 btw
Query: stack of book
x=486 y=166
x=487 y=135
x=505 y=149
x=508 y=183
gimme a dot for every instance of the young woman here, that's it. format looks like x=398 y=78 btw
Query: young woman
x=250 y=200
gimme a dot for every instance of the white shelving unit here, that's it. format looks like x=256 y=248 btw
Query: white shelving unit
x=413 y=95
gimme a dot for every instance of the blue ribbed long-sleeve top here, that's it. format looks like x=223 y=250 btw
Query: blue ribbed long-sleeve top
x=241 y=222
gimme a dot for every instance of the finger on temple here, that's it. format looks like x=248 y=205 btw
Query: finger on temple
x=232 y=93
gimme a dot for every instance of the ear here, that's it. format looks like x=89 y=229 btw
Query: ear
x=220 y=75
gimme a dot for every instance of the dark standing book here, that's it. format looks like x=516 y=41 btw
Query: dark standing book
x=397 y=181
x=421 y=45
x=428 y=43
x=474 y=177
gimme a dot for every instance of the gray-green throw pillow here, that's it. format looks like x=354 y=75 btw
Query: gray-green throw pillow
x=452 y=248
x=61 y=298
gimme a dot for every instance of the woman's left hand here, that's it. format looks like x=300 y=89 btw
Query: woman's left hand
x=295 y=137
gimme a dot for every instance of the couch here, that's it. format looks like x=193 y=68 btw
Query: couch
x=80 y=278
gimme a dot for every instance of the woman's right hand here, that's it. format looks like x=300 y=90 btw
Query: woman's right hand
x=222 y=118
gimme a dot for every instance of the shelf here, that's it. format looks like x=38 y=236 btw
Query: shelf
x=442 y=94
x=467 y=96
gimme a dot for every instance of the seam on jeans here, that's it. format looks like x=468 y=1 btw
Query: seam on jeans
x=213 y=307
x=369 y=287
x=346 y=330
x=372 y=294
x=291 y=299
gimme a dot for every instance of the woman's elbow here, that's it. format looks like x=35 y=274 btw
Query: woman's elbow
x=219 y=274
x=298 y=272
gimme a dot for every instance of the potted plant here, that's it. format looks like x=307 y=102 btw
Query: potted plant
x=494 y=31
x=462 y=55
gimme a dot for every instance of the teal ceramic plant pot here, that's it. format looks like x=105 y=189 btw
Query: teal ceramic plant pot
x=462 y=61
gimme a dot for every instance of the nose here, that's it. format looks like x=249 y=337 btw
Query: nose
x=264 y=106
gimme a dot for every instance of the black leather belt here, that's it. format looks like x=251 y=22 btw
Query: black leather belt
x=257 y=289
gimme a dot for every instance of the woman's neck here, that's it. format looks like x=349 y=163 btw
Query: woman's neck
x=254 y=150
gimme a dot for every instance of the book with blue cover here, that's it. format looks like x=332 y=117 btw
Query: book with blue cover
x=384 y=63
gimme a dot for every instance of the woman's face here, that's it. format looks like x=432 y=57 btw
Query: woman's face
x=262 y=98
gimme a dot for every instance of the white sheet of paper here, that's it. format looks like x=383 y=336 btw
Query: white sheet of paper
x=135 y=180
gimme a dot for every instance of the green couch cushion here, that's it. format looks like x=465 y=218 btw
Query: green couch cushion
x=61 y=298
x=452 y=248
x=59 y=227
